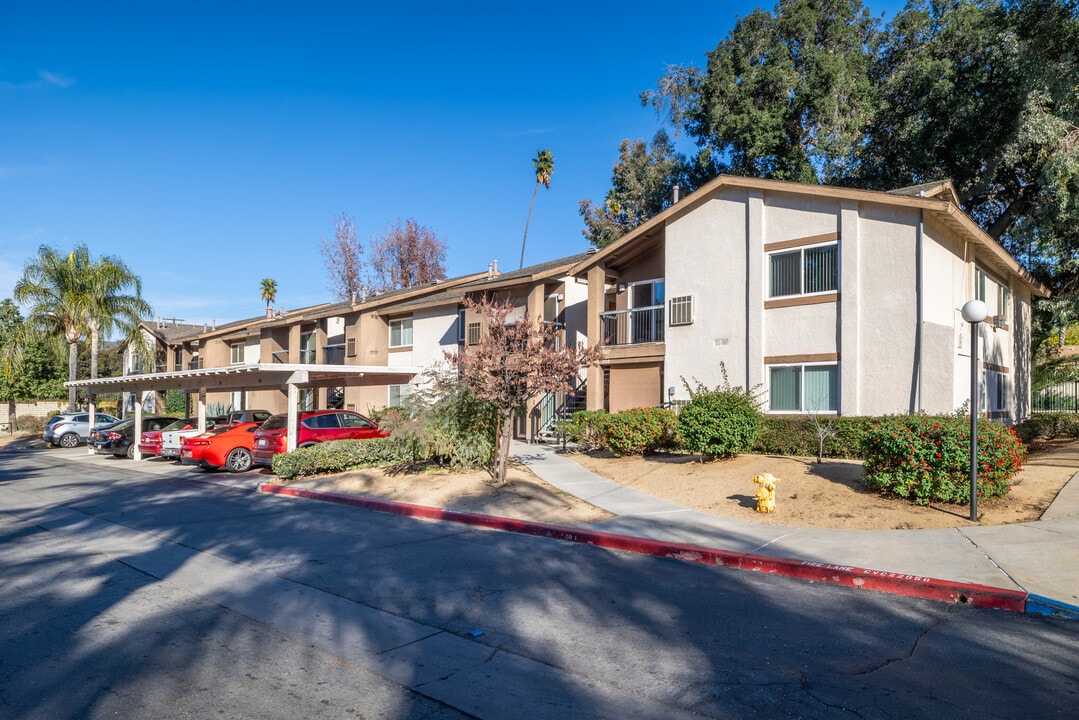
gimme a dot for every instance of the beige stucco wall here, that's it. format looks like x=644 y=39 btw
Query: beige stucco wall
x=887 y=309
x=706 y=259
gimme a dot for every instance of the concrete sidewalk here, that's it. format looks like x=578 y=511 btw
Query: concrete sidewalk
x=1041 y=558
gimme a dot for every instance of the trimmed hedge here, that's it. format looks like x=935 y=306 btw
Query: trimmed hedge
x=926 y=458
x=341 y=455
x=797 y=435
x=1048 y=425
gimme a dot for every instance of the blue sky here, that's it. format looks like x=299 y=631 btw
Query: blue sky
x=210 y=145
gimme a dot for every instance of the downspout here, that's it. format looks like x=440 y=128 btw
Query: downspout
x=919 y=314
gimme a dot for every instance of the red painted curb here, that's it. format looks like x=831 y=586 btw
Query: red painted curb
x=846 y=575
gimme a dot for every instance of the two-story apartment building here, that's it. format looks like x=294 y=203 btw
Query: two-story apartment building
x=829 y=300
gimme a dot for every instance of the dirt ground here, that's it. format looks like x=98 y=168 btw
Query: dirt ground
x=824 y=495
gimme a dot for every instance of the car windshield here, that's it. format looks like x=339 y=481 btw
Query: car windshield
x=178 y=425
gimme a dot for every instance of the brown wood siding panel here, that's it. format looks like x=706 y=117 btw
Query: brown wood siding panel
x=795 y=301
x=634 y=386
x=799 y=242
x=807 y=358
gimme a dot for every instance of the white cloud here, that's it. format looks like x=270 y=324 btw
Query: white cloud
x=55 y=79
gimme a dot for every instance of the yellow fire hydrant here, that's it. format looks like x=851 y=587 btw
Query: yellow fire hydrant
x=766 y=493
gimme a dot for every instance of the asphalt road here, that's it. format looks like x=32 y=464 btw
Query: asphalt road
x=127 y=595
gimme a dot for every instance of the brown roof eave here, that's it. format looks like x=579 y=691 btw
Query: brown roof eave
x=985 y=240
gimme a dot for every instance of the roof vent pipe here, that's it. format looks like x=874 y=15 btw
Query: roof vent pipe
x=674 y=195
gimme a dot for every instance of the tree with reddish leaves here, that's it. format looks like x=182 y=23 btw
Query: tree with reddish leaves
x=408 y=255
x=514 y=361
x=343 y=259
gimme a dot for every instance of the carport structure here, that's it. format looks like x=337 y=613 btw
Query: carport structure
x=290 y=378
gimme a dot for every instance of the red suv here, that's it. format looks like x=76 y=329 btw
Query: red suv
x=315 y=426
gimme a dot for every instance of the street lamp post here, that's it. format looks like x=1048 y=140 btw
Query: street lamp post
x=974 y=312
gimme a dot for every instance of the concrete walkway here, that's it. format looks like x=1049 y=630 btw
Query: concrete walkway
x=1040 y=557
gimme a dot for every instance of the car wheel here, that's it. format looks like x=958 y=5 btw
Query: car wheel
x=239 y=460
x=69 y=440
x=131 y=451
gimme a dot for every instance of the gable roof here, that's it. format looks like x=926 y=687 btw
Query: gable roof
x=938 y=199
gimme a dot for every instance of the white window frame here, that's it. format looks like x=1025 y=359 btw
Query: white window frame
x=801 y=250
x=308 y=352
x=654 y=281
x=236 y=358
x=801 y=388
x=980 y=279
x=1004 y=301
x=995 y=400
x=401 y=324
x=396 y=393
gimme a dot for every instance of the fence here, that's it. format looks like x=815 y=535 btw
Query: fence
x=1063 y=397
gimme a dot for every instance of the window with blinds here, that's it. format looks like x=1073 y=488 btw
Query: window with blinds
x=804 y=271
x=803 y=388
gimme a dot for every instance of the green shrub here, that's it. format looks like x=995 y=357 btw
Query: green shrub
x=30 y=423
x=720 y=422
x=446 y=422
x=341 y=455
x=797 y=435
x=174 y=402
x=1048 y=425
x=640 y=430
x=586 y=427
x=926 y=458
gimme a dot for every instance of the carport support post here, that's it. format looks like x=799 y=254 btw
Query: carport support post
x=91 y=407
x=293 y=401
x=202 y=410
x=136 y=431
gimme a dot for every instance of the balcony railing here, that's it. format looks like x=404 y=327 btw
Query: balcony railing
x=307 y=357
x=632 y=327
x=333 y=354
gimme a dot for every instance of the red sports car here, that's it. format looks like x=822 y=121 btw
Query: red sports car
x=316 y=426
x=226 y=446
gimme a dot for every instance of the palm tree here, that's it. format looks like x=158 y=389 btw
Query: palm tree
x=543 y=164
x=269 y=292
x=115 y=301
x=54 y=286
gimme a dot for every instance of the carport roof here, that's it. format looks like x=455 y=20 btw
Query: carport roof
x=246 y=377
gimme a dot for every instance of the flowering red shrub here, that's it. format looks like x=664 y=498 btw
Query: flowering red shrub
x=926 y=458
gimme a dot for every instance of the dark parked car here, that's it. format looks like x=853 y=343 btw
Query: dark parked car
x=119 y=438
x=315 y=426
x=72 y=429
